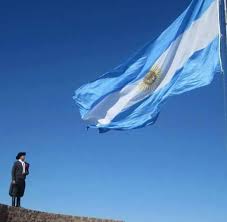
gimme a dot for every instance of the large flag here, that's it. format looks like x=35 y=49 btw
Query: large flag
x=184 y=57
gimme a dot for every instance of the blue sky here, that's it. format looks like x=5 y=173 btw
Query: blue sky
x=173 y=171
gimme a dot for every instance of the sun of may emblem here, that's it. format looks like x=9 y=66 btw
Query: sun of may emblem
x=151 y=77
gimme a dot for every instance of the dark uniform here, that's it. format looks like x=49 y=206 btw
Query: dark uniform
x=17 y=186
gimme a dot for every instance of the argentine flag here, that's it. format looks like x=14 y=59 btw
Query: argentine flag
x=184 y=57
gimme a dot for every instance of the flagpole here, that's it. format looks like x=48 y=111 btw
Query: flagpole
x=224 y=63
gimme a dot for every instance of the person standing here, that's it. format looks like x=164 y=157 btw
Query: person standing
x=19 y=172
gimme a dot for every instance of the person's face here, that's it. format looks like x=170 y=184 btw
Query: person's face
x=22 y=158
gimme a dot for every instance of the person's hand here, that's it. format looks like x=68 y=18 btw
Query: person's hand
x=13 y=181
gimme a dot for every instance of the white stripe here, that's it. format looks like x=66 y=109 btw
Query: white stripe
x=200 y=34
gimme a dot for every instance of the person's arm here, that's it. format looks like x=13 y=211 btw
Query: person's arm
x=13 y=173
x=27 y=168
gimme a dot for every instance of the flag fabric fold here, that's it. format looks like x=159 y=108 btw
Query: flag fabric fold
x=184 y=57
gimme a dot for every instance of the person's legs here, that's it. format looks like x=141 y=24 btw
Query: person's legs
x=18 y=202
x=13 y=201
x=20 y=193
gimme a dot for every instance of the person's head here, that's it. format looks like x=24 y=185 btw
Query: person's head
x=21 y=156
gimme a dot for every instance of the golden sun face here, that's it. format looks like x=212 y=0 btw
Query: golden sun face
x=150 y=78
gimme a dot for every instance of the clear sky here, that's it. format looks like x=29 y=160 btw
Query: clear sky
x=174 y=171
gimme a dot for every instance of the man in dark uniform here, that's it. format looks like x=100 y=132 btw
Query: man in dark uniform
x=19 y=172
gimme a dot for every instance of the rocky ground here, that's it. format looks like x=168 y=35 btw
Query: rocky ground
x=13 y=214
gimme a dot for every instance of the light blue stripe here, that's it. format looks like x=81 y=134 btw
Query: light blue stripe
x=91 y=94
x=198 y=71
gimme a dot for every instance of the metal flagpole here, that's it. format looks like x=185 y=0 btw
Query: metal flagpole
x=224 y=63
